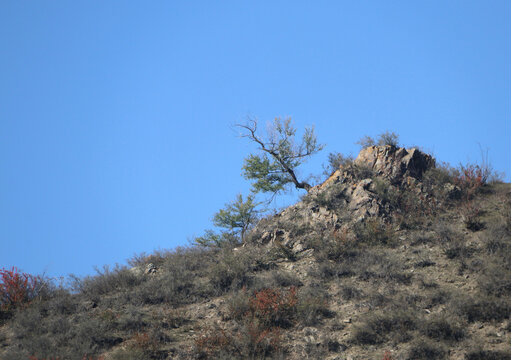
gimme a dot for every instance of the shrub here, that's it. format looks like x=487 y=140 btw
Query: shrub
x=385 y=138
x=255 y=340
x=312 y=306
x=380 y=327
x=484 y=308
x=335 y=161
x=496 y=278
x=425 y=350
x=414 y=210
x=274 y=307
x=250 y=341
x=385 y=191
x=277 y=279
x=375 y=232
x=388 y=138
x=441 y=329
x=212 y=341
x=488 y=355
x=106 y=281
x=471 y=212
x=41 y=331
x=18 y=289
x=472 y=177
x=85 y=357
x=387 y=356
x=233 y=270
x=350 y=292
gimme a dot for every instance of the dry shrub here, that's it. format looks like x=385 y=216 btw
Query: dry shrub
x=380 y=327
x=250 y=340
x=480 y=308
x=212 y=341
x=426 y=350
x=439 y=328
x=312 y=306
x=471 y=213
x=387 y=355
x=375 y=232
x=488 y=355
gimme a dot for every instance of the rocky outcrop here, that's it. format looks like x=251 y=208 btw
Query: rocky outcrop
x=395 y=163
x=149 y=269
x=351 y=194
x=398 y=165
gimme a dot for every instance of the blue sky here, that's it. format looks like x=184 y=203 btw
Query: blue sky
x=115 y=116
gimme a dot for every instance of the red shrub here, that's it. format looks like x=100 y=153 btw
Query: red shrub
x=274 y=307
x=387 y=355
x=17 y=289
x=261 y=339
x=471 y=177
x=212 y=341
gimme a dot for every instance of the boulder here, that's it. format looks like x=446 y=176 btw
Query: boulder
x=395 y=163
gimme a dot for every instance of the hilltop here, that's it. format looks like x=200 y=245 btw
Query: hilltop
x=394 y=256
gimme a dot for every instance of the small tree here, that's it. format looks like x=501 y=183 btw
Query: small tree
x=237 y=216
x=276 y=166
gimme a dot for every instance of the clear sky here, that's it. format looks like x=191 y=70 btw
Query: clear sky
x=115 y=116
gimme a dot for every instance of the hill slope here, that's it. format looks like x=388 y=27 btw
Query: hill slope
x=389 y=258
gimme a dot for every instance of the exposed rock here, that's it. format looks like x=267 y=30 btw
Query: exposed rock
x=350 y=195
x=150 y=269
x=453 y=192
x=363 y=202
x=395 y=163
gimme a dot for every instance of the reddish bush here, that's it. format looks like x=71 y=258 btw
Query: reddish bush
x=471 y=177
x=387 y=355
x=213 y=341
x=262 y=340
x=17 y=289
x=261 y=317
x=273 y=307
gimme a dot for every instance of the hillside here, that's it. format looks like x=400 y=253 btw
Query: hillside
x=392 y=257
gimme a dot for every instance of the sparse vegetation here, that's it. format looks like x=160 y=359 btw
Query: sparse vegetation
x=385 y=138
x=420 y=266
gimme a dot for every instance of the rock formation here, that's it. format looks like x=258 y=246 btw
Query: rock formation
x=351 y=194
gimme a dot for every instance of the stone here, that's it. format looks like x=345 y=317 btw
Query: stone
x=395 y=163
x=150 y=269
x=452 y=191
